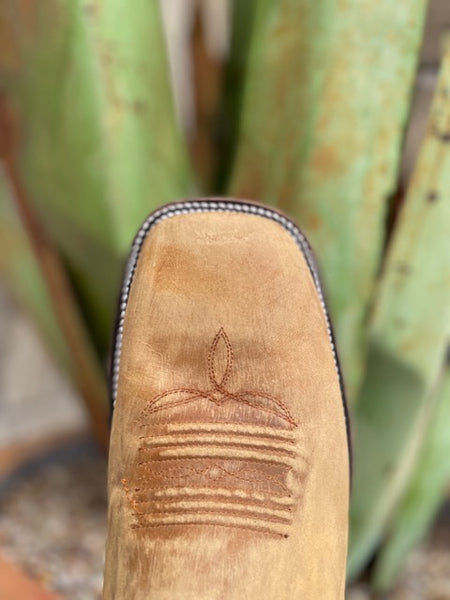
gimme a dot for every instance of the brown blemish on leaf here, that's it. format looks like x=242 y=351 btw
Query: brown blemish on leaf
x=313 y=221
x=404 y=268
x=326 y=160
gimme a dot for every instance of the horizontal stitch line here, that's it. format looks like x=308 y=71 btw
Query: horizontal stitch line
x=238 y=428
x=146 y=486
x=266 y=531
x=235 y=437
x=211 y=506
x=205 y=517
x=159 y=441
x=232 y=454
x=221 y=492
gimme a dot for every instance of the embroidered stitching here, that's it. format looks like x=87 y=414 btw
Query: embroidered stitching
x=175 y=493
x=180 y=472
x=210 y=429
x=219 y=394
x=175 y=510
x=259 y=529
x=228 y=427
x=168 y=442
x=220 y=511
x=196 y=462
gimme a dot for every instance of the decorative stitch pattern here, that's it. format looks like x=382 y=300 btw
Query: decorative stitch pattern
x=219 y=393
x=213 y=473
x=222 y=473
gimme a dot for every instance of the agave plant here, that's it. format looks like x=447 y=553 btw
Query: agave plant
x=311 y=115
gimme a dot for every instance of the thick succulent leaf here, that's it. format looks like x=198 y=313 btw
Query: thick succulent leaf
x=425 y=494
x=53 y=302
x=326 y=100
x=243 y=15
x=20 y=271
x=88 y=81
x=409 y=333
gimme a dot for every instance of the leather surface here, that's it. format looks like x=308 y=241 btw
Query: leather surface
x=228 y=472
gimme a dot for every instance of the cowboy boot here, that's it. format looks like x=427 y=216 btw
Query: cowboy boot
x=229 y=458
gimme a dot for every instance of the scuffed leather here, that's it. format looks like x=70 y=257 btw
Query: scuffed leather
x=199 y=275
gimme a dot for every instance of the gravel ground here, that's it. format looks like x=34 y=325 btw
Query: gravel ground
x=53 y=524
x=426 y=574
x=35 y=398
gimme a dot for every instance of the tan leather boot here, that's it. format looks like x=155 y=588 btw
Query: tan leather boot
x=229 y=459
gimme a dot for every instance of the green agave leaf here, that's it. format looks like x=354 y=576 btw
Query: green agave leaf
x=20 y=271
x=425 y=494
x=99 y=143
x=47 y=291
x=409 y=333
x=325 y=103
x=243 y=14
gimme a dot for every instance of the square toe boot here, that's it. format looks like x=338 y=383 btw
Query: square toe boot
x=229 y=457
